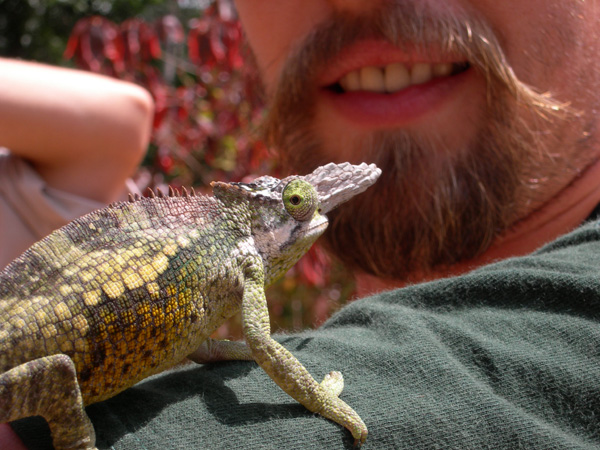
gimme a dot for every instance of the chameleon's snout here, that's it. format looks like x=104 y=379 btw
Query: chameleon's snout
x=338 y=183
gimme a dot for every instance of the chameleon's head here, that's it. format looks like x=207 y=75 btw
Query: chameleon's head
x=289 y=215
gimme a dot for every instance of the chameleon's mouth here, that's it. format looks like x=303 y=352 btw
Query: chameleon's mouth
x=320 y=226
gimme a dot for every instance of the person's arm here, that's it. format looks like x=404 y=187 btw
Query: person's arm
x=84 y=133
x=9 y=439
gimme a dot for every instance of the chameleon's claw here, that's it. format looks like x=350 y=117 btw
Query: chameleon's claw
x=360 y=441
x=359 y=433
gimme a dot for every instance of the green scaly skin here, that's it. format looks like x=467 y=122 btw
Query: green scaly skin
x=129 y=290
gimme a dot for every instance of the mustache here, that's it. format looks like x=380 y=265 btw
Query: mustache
x=410 y=26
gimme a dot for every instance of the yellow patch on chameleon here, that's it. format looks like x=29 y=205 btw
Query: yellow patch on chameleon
x=160 y=263
x=62 y=312
x=114 y=289
x=40 y=315
x=81 y=324
x=132 y=280
x=148 y=273
x=170 y=249
x=65 y=290
x=153 y=289
x=92 y=298
x=49 y=331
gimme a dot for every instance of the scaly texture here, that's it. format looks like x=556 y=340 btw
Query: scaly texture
x=129 y=290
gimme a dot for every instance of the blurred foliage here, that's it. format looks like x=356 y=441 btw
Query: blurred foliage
x=190 y=55
x=207 y=101
x=39 y=29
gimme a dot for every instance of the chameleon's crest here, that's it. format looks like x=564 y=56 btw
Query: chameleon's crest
x=263 y=188
x=173 y=192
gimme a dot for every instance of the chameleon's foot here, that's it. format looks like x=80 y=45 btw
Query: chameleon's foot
x=333 y=383
x=360 y=436
x=343 y=414
x=48 y=387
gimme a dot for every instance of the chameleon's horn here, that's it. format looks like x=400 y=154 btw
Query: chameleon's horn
x=338 y=183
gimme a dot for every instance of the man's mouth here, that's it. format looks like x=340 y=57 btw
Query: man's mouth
x=394 y=77
x=396 y=94
x=375 y=84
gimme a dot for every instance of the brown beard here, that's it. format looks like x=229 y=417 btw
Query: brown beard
x=425 y=213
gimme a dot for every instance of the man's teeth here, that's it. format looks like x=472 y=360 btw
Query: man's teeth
x=393 y=77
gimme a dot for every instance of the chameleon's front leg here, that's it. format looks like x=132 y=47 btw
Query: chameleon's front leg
x=284 y=368
x=48 y=387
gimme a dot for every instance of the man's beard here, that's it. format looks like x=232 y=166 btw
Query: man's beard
x=432 y=206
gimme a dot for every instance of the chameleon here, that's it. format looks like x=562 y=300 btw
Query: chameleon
x=130 y=290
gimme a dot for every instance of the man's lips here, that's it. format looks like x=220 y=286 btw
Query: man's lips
x=394 y=77
x=372 y=109
x=381 y=54
x=377 y=83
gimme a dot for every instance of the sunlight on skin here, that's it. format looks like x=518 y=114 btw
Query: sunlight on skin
x=9 y=439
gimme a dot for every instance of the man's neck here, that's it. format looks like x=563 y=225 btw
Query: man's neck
x=563 y=213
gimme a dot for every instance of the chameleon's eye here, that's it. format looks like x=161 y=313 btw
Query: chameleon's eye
x=300 y=199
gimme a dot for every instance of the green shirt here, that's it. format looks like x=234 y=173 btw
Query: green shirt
x=506 y=357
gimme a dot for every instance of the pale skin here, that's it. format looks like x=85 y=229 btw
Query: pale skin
x=550 y=45
x=85 y=134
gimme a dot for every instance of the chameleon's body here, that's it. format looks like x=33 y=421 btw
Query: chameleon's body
x=129 y=290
